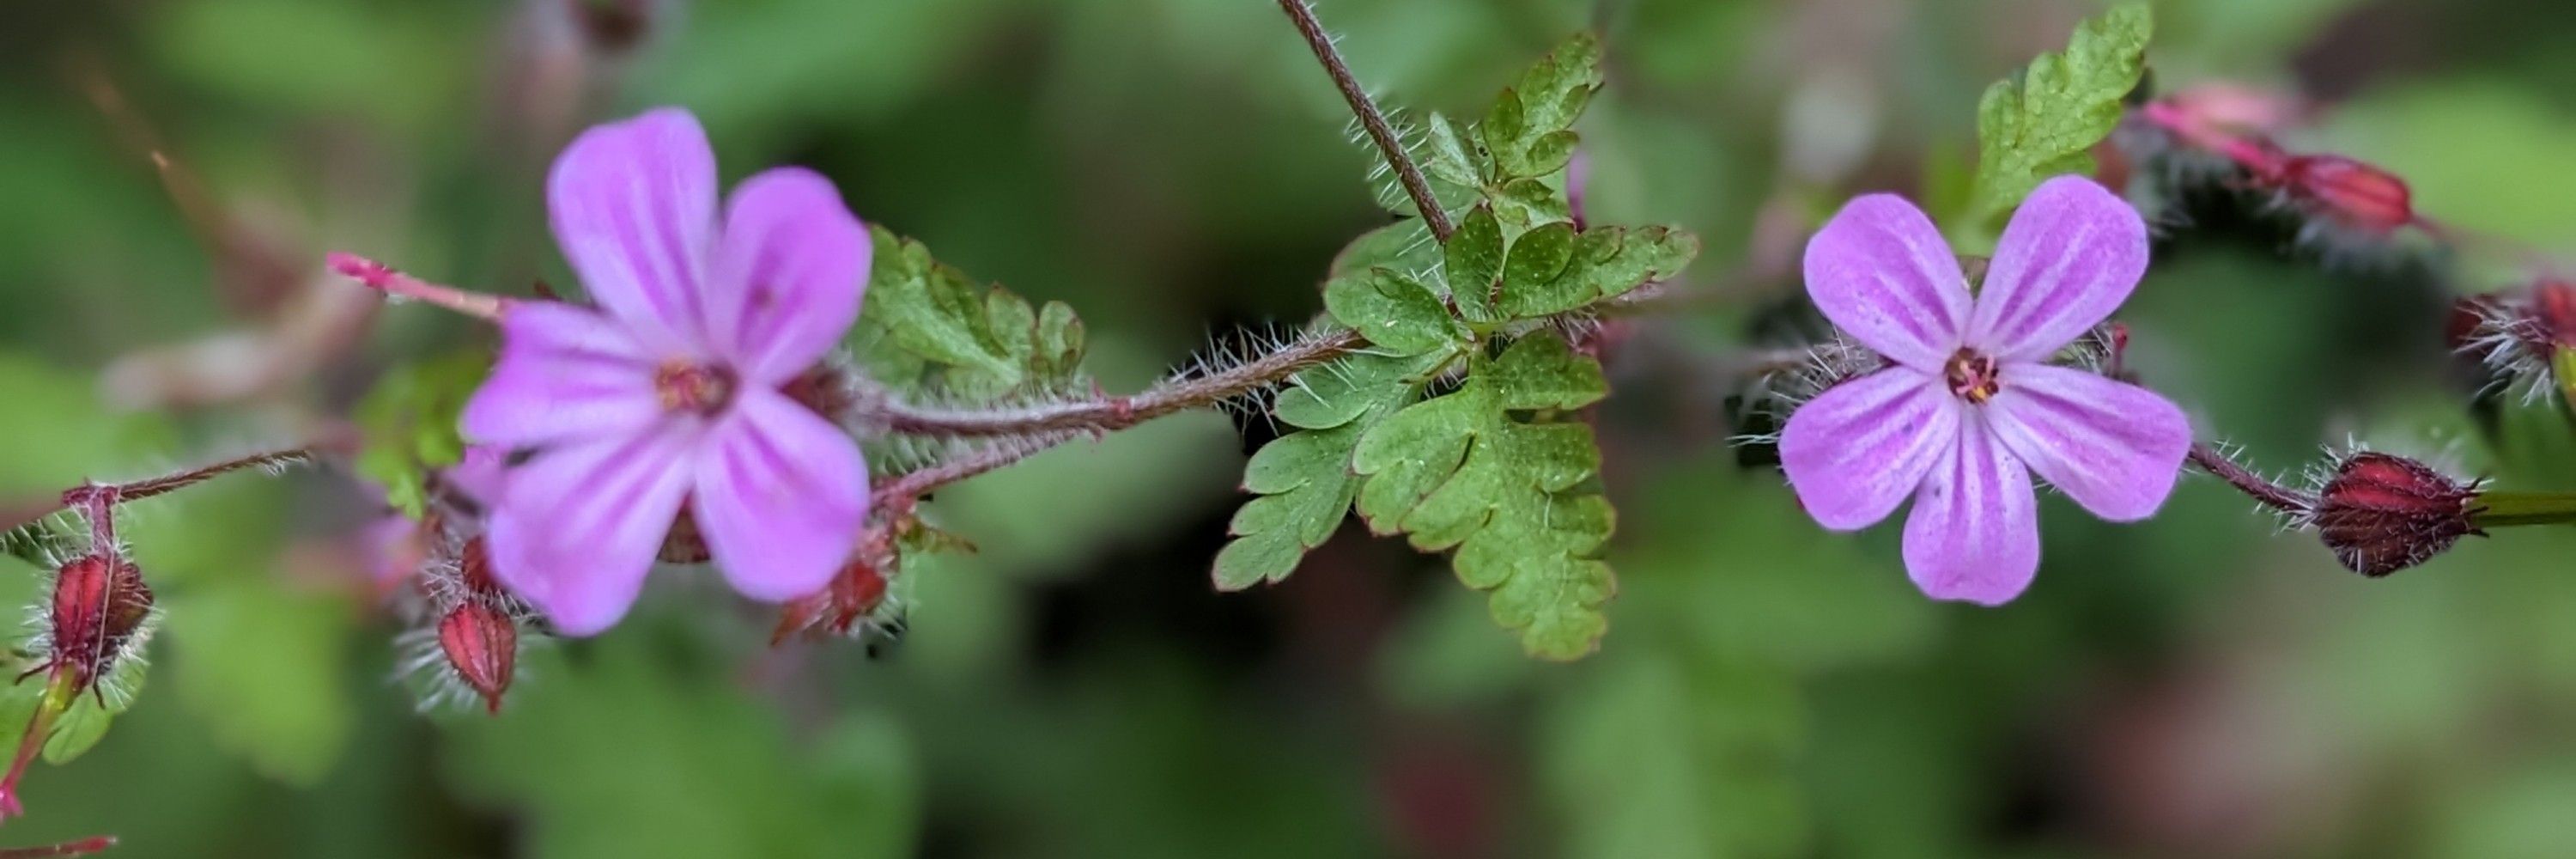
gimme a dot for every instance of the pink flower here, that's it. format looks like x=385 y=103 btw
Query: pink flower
x=668 y=393
x=1968 y=408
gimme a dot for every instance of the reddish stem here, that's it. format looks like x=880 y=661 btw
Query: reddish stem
x=74 y=847
x=383 y=278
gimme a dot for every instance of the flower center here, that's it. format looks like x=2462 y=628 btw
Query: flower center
x=685 y=386
x=1972 y=376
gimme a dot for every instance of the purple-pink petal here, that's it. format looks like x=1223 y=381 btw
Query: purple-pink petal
x=634 y=208
x=788 y=274
x=2114 y=447
x=564 y=373
x=1882 y=273
x=780 y=495
x=578 y=526
x=1974 y=531
x=1855 y=452
x=2071 y=255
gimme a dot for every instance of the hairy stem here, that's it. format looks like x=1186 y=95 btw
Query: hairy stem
x=1116 y=413
x=898 y=494
x=1371 y=119
x=2266 y=492
x=116 y=493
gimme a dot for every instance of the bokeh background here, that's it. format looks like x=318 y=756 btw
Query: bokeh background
x=1178 y=171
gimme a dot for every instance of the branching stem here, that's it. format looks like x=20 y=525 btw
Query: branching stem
x=1109 y=414
x=1038 y=428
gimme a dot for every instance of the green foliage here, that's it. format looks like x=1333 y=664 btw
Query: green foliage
x=1529 y=130
x=2047 y=122
x=264 y=664
x=727 y=775
x=409 y=421
x=1304 y=478
x=1461 y=472
x=1393 y=310
x=934 y=327
x=1471 y=470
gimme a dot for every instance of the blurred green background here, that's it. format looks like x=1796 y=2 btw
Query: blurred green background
x=1178 y=170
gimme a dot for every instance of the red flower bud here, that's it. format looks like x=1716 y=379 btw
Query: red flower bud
x=2553 y=311
x=482 y=644
x=2383 y=513
x=854 y=593
x=2352 y=192
x=99 y=602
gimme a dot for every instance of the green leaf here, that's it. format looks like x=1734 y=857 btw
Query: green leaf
x=2047 y=122
x=1447 y=156
x=1405 y=245
x=87 y=721
x=1522 y=204
x=1394 y=311
x=264 y=666
x=1473 y=261
x=1461 y=472
x=933 y=327
x=409 y=424
x=1604 y=262
x=1528 y=129
x=1304 y=478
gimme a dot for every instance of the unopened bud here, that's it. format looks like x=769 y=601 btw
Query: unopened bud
x=2351 y=192
x=482 y=645
x=854 y=593
x=2382 y=513
x=2553 y=312
x=99 y=603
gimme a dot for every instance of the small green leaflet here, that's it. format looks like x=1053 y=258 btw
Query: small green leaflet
x=409 y=419
x=1529 y=131
x=1393 y=310
x=2046 y=123
x=1511 y=496
x=932 y=326
x=1304 y=478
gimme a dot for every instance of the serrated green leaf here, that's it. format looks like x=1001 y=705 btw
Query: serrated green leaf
x=1604 y=262
x=1304 y=478
x=927 y=325
x=1393 y=310
x=2047 y=122
x=1059 y=340
x=1447 y=156
x=1461 y=472
x=1528 y=129
x=263 y=665
x=1405 y=245
x=1305 y=484
x=1534 y=261
x=1522 y=204
x=44 y=543
x=1544 y=373
x=1341 y=391
x=1473 y=261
